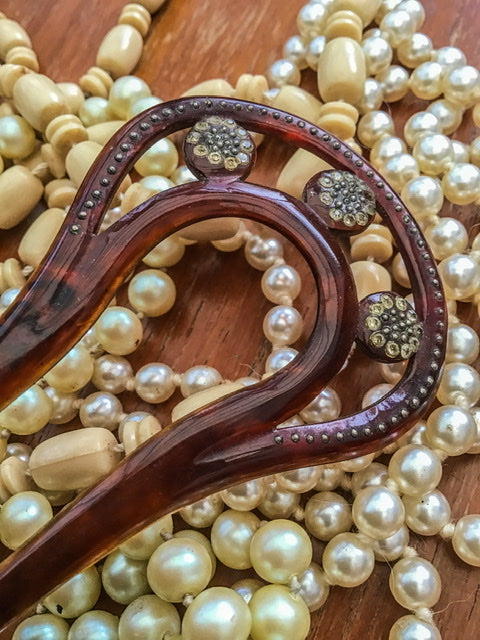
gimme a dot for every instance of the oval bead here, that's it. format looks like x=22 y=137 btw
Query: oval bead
x=342 y=71
x=38 y=100
x=202 y=398
x=20 y=191
x=12 y=35
x=120 y=50
x=39 y=236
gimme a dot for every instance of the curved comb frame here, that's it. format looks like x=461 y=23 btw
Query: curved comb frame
x=236 y=439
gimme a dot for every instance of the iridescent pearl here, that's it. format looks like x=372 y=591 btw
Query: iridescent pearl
x=400 y=170
x=218 y=613
x=427 y=514
x=101 y=409
x=461 y=85
x=94 y=625
x=262 y=253
x=282 y=325
x=278 y=614
x=21 y=516
x=324 y=407
x=394 y=81
x=461 y=151
x=314 y=588
x=374 y=475
x=73 y=371
x=203 y=513
x=420 y=124
x=451 y=429
x=112 y=373
x=426 y=80
x=199 y=378
x=152 y=292
x=76 y=596
x=378 y=54
x=247 y=587
x=231 y=535
x=412 y=628
x=330 y=478
x=64 y=405
x=461 y=183
x=446 y=237
x=156 y=183
x=449 y=57
x=148 y=618
x=434 y=153
x=123 y=93
x=123 y=578
x=460 y=384
x=178 y=567
x=378 y=512
x=298 y=480
x=279 y=550
x=193 y=534
x=462 y=344
x=415 y=583
x=311 y=20
x=279 y=358
x=327 y=514
x=386 y=148
x=283 y=72
x=42 y=627
x=28 y=413
x=160 y=159
x=397 y=25
x=466 y=539
x=141 y=545
x=17 y=137
x=245 y=496
x=295 y=50
x=119 y=331
x=460 y=276
x=155 y=382
x=94 y=111
x=373 y=126
x=140 y=105
x=449 y=115
x=372 y=97
x=347 y=560
x=416 y=469
x=314 y=50
x=281 y=284
x=393 y=547
x=278 y=503
x=414 y=50
x=415 y=10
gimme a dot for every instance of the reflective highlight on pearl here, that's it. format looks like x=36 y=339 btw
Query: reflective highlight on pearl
x=148 y=618
x=466 y=539
x=278 y=614
x=42 y=627
x=347 y=560
x=231 y=535
x=22 y=516
x=217 y=613
x=415 y=583
x=378 y=512
x=327 y=514
x=76 y=596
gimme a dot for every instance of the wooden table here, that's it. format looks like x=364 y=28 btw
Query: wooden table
x=218 y=315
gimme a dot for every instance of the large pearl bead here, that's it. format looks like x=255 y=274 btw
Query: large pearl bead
x=347 y=560
x=161 y=159
x=112 y=373
x=148 y=618
x=73 y=371
x=412 y=628
x=415 y=583
x=42 y=627
x=231 y=535
x=446 y=237
x=178 y=567
x=298 y=480
x=434 y=153
x=393 y=547
x=330 y=478
x=466 y=539
x=218 y=613
x=378 y=54
x=314 y=588
x=28 y=413
x=203 y=513
x=94 y=625
x=154 y=382
x=451 y=429
x=423 y=196
x=373 y=126
x=152 y=292
x=141 y=545
x=101 y=409
x=282 y=325
x=193 y=534
x=119 y=331
x=374 y=475
x=461 y=183
x=278 y=614
x=415 y=469
x=327 y=514
x=460 y=276
x=245 y=496
x=76 y=596
x=22 y=516
x=17 y=137
x=262 y=253
x=123 y=93
x=279 y=358
x=124 y=579
x=427 y=514
x=279 y=550
x=378 y=512
x=278 y=503
x=199 y=378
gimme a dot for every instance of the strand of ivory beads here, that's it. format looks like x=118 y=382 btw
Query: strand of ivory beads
x=385 y=497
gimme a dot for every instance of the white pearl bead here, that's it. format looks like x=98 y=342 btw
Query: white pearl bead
x=203 y=513
x=247 y=587
x=261 y=253
x=427 y=514
x=386 y=148
x=231 y=535
x=314 y=588
x=412 y=628
x=119 y=331
x=327 y=514
x=460 y=384
x=358 y=463
x=160 y=159
x=279 y=359
x=375 y=393
x=392 y=373
x=154 y=382
x=415 y=583
x=298 y=480
x=101 y=409
x=393 y=547
x=166 y=253
x=415 y=469
x=400 y=170
x=152 y=292
x=282 y=325
x=446 y=237
x=397 y=25
x=281 y=284
x=28 y=413
x=373 y=126
x=449 y=57
x=461 y=153
x=324 y=407
x=218 y=613
x=73 y=371
x=123 y=578
x=112 y=373
x=76 y=596
x=94 y=625
x=374 y=475
x=311 y=20
x=475 y=448
x=22 y=516
x=123 y=93
x=415 y=10
x=449 y=115
x=426 y=80
x=278 y=613
x=278 y=503
x=17 y=137
x=279 y=550
x=466 y=539
x=330 y=478
x=314 y=50
x=192 y=534
x=451 y=429
x=141 y=545
x=42 y=627
x=378 y=54
x=378 y=512
x=372 y=97
x=394 y=81
x=461 y=183
x=461 y=85
x=460 y=276
x=148 y=618
x=347 y=560
x=140 y=105
x=420 y=124
x=414 y=50
x=283 y=72
x=245 y=496
x=199 y=378
x=434 y=153
x=295 y=50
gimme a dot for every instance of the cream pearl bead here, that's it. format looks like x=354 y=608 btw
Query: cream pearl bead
x=378 y=512
x=123 y=578
x=64 y=405
x=199 y=378
x=400 y=273
x=415 y=583
x=373 y=126
x=393 y=547
x=203 y=513
x=446 y=237
x=375 y=393
x=400 y=170
x=426 y=80
x=397 y=25
x=461 y=85
x=282 y=325
x=28 y=413
x=370 y=277
x=119 y=331
x=394 y=81
x=152 y=292
x=449 y=57
x=420 y=124
x=20 y=450
x=94 y=111
x=192 y=534
x=247 y=587
x=327 y=514
x=378 y=54
x=278 y=503
x=148 y=618
x=414 y=50
x=374 y=475
x=281 y=284
x=461 y=183
x=474 y=151
x=460 y=276
x=298 y=480
x=449 y=115
x=462 y=344
x=356 y=464
x=17 y=137
x=311 y=20
x=101 y=409
x=178 y=567
x=231 y=535
x=415 y=469
x=123 y=93
x=76 y=596
x=278 y=614
x=279 y=550
x=283 y=72
x=94 y=625
x=141 y=545
x=141 y=104
x=386 y=148
x=314 y=588
x=218 y=613
x=347 y=560
x=73 y=371
x=427 y=514
x=155 y=382
x=22 y=516
x=372 y=97
x=460 y=384
x=434 y=153
x=324 y=407
x=262 y=253
x=466 y=539
x=314 y=50
x=412 y=628
x=295 y=50
x=160 y=159
x=451 y=429
x=279 y=358
x=330 y=478
x=112 y=373
x=41 y=627
x=166 y=253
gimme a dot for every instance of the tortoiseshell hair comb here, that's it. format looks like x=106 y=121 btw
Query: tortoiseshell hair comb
x=237 y=438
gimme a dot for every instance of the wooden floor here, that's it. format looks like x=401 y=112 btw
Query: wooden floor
x=218 y=315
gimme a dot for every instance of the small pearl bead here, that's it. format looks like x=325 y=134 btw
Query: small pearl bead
x=446 y=237
x=199 y=378
x=330 y=478
x=141 y=545
x=245 y=496
x=394 y=81
x=474 y=151
x=460 y=384
x=378 y=54
x=347 y=560
x=17 y=137
x=392 y=373
x=375 y=393
x=397 y=25
x=73 y=371
x=461 y=85
x=295 y=50
x=393 y=547
x=44 y=626
x=101 y=409
x=461 y=183
x=386 y=148
x=231 y=535
x=414 y=50
x=460 y=276
x=166 y=253
x=378 y=512
x=434 y=153
x=415 y=583
x=327 y=514
x=94 y=625
x=415 y=469
x=427 y=514
x=426 y=80
x=279 y=550
x=152 y=292
x=28 y=413
x=462 y=344
x=298 y=480
x=278 y=503
x=279 y=359
x=324 y=407
x=283 y=72
x=140 y=105
x=449 y=57
x=160 y=159
x=148 y=618
x=22 y=516
x=281 y=284
x=20 y=450
x=412 y=628
x=124 y=579
x=203 y=513
x=314 y=588
x=373 y=126
x=282 y=325
x=247 y=587
x=119 y=331
x=94 y=111
x=76 y=596
x=278 y=613
x=449 y=115
x=400 y=170
x=451 y=429
x=154 y=382
x=415 y=10
x=461 y=152
x=357 y=464
x=261 y=253
x=112 y=373
x=374 y=475
x=311 y=20
x=466 y=539
x=420 y=124
x=123 y=93
x=314 y=50
x=218 y=613
x=372 y=97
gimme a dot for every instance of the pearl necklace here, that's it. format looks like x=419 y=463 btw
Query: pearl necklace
x=364 y=461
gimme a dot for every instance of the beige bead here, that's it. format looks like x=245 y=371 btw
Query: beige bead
x=476 y=114
x=370 y=277
x=60 y=193
x=365 y=9
x=301 y=166
x=120 y=50
x=151 y=5
x=75 y=459
x=79 y=160
x=339 y=118
x=103 y=131
x=399 y=272
x=202 y=398
x=13 y=474
x=231 y=244
x=375 y=242
x=73 y=95
x=135 y=195
x=9 y=74
x=39 y=236
x=12 y=274
x=214 y=87
x=136 y=16
x=7 y=108
x=344 y=24
x=251 y=87
x=96 y=82
x=298 y=101
x=341 y=71
x=24 y=56
x=38 y=99
x=211 y=230
x=54 y=160
x=20 y=191
x=12 y=35
x=36 y=164
x=134 y=433
x=4 y=492
x=65 y=131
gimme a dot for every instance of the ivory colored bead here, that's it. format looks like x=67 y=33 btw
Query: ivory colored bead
x=79 y=160
x=38 y=99
x=41 y=627
x=120 y=50
x=141 y=545
x=399 y=271
x=202 y=398
x=140 y=105
x=73 y=95
x=347 y=560
x=373 y=126
x=214 y=87
x=231 y=535
x=13 y=475
x=65 y=131
x=298 y=101
x=73 y=371
x=466 y=539
x=76 y=596
x=160 y=159
x=245 y=496
x=101 y=132
x=124 y=579
x=365 y=9
x=55 y=463
x=210 y=230
x=339 y=118
x=278 y=614
x=416 y=469
x=119 y=331
x=17 y=138
x=39 y=236
x=327 y=514
x=96 y=82
x=415 y=583
x=12 y=274
x=251 y=87
x=28 y=413
x=54 y=160
x=371 y=245
x=137 y=16
x=24 y=56
x=20 y=191
x=136 y=433
x=343 y=24
x=22 y=516
x=370 y=277
x=341 y=71
x=148 y=618
x=9 y=74
x=12 y=35
x=300 y=167
x=94 y=110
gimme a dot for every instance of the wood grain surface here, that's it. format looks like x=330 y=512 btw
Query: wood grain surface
x=218 y=315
